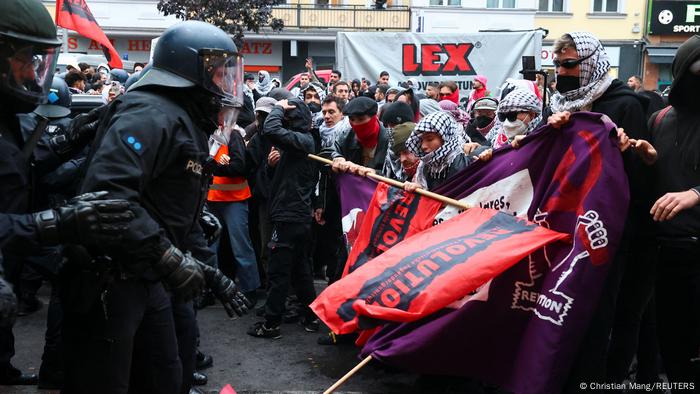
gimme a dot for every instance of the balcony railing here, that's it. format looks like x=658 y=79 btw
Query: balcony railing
x=343 y=17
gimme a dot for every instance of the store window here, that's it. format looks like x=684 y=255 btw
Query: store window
x=551 y=6
x=606 y=5
x=500 y=4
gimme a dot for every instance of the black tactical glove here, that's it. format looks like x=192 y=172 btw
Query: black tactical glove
x=210 y=226
x=81 y=131
x=226 y=291
x=8 y=305
x=182 y=273
x=86 y=219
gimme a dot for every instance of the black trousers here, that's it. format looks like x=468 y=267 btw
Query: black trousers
x=100 y=351
x=289 y=247
x=678 y=311
x=634 y=331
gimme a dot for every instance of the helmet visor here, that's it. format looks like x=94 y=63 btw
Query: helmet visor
x=222 y=74
x=30 y=72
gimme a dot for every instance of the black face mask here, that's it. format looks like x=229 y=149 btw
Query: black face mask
x=567 y=83
x=483 y=121
x=314 y=107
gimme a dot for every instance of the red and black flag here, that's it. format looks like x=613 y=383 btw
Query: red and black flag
x=392 y=216
x=430 y=270
x=76 y=15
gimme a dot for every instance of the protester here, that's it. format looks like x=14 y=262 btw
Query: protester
x=76 y=82
x=482 y=120
x=674 y=134
x=449 y=91
x=479 y=91
x=461 y=117
x=583 y=84
x=341 y=89
x=383 y=78
x=391 y=94
x=327 y=206
x=288 y=128
x=408 y=160
x=519 y=113
x=261 y=160
x=313 y=94
x=436 y=141
x=432 y=91
x=264 y=85
x=355 y=88
x=365 y=144
x=394 y=115
x=380 y=95
x=304 y=80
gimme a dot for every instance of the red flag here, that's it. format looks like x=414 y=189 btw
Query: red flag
x=430 y=270
x=75 y=15
x=392 y=216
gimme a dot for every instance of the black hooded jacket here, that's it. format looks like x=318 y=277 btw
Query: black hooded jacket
x=295 y=176
x=628 y=111
x=676 y=137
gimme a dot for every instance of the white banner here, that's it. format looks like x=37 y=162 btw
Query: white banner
x=437 y=57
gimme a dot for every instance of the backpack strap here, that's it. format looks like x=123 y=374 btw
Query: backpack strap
x=661 y=115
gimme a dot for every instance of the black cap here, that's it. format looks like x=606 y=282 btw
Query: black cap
x=249 y=77
x=360 y=106
x=397 y=112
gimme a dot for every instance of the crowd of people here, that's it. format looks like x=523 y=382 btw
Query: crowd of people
x=189 y=191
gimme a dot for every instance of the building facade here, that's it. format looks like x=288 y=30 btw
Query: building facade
x=310 y=29
x=669 y=24
x=470 y=16
x=617 y=23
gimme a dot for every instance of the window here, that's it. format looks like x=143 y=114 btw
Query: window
x=500 y=3
x=606 y=5
x=446 y=2
x=551 y=6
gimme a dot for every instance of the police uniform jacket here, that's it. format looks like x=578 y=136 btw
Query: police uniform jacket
x=149 y=151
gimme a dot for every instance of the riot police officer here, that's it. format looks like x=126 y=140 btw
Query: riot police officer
x=28 y=54
x=152 y=149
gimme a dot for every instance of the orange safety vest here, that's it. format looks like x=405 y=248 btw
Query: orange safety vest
x=228 y=188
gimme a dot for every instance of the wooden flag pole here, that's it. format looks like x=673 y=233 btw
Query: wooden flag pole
x=348 y=375
x=395 y=183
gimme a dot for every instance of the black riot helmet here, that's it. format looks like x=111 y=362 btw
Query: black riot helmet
x=58 y=102
x=196 y=54
x=28 y=53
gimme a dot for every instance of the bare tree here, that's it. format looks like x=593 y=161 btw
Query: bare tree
x=233 y=16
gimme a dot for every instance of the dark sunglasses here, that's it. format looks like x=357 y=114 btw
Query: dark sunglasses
x=571 y=63
x=511 y=116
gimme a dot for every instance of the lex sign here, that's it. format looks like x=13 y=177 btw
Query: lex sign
x=437 y=57
x=675 y=17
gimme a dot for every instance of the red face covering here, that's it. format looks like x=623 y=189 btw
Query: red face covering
x=454 y=97
x=367 y=133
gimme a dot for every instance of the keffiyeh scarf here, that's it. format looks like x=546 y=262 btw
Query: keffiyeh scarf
x=594 y=77
x=519 y=100
x=438 y=161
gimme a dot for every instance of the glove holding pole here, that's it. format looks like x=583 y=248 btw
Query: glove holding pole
x=225 y=290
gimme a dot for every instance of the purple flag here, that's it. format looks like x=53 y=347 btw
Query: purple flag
x=355 y=194
x=522 y=330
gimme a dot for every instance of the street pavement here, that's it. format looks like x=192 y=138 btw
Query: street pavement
x=294 y=363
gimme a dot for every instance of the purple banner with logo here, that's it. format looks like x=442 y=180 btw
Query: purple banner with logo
x=522 y=330
x=355 y=194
